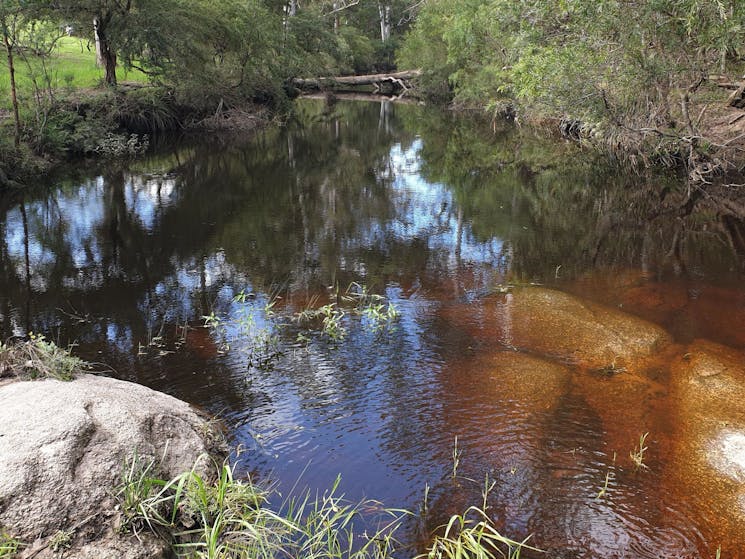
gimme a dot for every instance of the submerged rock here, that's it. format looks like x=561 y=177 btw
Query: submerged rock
x=708 y=450
x=709 y=379
x=63 y=446
x=559 y=325
x=562 y=325
x=628 y=406
x=527 y=380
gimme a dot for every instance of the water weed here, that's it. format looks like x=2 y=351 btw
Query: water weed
x=472 y=535
x=250 y=326
x=456 y=457
x=637 y=455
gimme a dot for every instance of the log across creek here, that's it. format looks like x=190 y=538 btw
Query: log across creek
x=396 y=82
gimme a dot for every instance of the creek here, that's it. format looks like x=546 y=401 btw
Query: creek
x=524 y=274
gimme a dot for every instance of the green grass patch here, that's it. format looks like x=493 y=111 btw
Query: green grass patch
x=8 y=546
x=69 y=67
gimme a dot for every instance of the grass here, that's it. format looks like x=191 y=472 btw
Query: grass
x=220 y=517
x=39 y=358
x=70 y=66
x=473 y=536
x=8 y=546
x=214 y=515
x=637 y=455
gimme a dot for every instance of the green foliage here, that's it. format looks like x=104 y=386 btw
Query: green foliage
x=212 y=514
x=606 y=61
x=472 y=535
x=9 y=546
x=60 y=541
x=39 y=358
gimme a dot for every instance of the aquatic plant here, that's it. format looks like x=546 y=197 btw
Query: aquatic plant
x=330 y=317
x=39 y=358
x=604 y=488
x=472 y=535
x=372 y=307
x=253 y=328
x=229 y=518
x=637 y=455
x=456 y=457
x=608 y=476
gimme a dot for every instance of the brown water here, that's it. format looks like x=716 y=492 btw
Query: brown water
x=438 y=216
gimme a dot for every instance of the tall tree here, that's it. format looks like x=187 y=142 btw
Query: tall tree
x=108 y=21
x=11 y=17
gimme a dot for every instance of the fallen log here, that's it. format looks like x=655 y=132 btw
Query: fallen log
x=396 y=81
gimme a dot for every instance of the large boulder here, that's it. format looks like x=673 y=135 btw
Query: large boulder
x=63 y=448
x=559 y=325
x=556 y=323
x=707 y=385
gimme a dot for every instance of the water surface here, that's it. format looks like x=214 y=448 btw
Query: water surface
x=437 y=215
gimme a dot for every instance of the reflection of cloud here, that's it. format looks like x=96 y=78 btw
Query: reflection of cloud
x=69 y=223
x=427 y=210
x=147 y=195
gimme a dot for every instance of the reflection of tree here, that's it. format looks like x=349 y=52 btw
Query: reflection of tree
x=556 y=207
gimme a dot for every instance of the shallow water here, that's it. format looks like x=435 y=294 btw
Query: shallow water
x=439 y=216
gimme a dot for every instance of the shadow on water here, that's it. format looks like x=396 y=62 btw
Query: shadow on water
x=438 y=215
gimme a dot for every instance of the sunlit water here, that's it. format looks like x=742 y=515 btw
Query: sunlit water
x=437 y=216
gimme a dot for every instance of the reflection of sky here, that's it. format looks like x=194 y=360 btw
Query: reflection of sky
x=147 y=196
x=71 y=219
x=429 y=212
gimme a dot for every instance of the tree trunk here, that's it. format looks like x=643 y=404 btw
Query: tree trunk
x=385 y=21
x=396 y=81
x=13 y=92
x=105 y=55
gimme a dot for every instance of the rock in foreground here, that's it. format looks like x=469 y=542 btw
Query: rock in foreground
x=63 y=446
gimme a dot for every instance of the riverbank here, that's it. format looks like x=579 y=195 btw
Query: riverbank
x=703 y=138
x=111 y=122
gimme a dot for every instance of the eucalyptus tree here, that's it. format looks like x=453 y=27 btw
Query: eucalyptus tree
x=596 y=60
x=11 y=18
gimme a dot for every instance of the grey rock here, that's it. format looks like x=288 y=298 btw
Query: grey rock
x=63 y=446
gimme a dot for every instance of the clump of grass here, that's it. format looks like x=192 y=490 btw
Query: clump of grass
x=472 y=535
x=222 y=517
x=60 y=541
x=139 y=485
x=229 y=518
x=637 y=455
x=9 y=545
x=39 y=358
